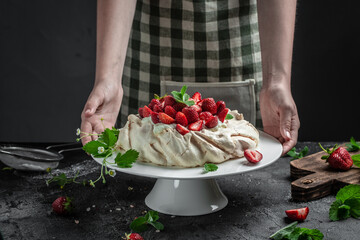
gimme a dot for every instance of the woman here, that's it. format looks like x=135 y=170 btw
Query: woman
x=202 y=43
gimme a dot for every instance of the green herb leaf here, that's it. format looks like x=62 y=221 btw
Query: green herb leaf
x=291 y=232
x=109 y=137
x=182 y=96
x=348 y=192
x=296 y=155
x=139 y=224
x=127 y=159
x=92 y=147
x=354 y=204
x=353 y=145
x=229 y=116
x=312 y=234
x=339 y=211
x=284 y=232
x=210 y=167
x=356 y=159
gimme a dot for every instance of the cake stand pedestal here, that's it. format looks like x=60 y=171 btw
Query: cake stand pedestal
x=190 y=191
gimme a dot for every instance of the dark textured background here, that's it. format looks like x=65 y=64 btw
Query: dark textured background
x=47 y=60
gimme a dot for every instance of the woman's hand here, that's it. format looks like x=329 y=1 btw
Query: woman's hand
x=279 y=115
x=103 y=103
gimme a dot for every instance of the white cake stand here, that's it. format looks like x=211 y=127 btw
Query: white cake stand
x=190 y=191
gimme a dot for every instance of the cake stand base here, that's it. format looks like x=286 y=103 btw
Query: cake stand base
x=186 y=197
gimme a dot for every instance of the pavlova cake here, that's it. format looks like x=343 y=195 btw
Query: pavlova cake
x=185 y=131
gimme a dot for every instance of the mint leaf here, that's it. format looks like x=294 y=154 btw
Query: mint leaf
x=313 y=234
x=296 y=155
x=183 y=90
x=339 y=211
x=229 y=116
x=356 y=159
x=354 y=204
x=210 y=167
x=182 y=96
x=109 y=137
x=152 y=217
x=139 y=224
x=353 y=145
x=347 y=192
x=92 y=147
x=284 y=232
x=127 y=159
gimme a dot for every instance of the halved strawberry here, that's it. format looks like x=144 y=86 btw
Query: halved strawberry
x=140 y=111
x=299 y=214
x=220 y=106
x=181 y=129
x=146 y=111
x=164 y=118
x=222 y=114
x=205 y=116
x=208 y=104
x=157 y=108
x=169 y=101
x=191 y=114
x=153 y=103
x=169 y=110
x=253 y=156
x=155 y=117
x=196 y=97
x=197 y=108
x=196 y=126
x=212 y=122
x=181 y=119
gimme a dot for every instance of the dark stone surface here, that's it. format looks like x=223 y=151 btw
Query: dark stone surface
x=257 y=201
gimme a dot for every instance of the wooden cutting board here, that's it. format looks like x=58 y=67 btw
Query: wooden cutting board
x=315 y=179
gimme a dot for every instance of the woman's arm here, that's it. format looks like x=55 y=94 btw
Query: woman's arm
x=278 y=109
x=114 y=20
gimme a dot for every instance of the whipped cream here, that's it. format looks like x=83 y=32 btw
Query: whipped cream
x=163 y=145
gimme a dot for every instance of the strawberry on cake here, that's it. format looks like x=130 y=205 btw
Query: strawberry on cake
x=187 y=132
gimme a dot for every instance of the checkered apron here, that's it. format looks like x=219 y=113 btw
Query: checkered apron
x=203 y=42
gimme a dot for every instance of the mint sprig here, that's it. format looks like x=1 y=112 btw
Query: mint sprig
x=141 y=224
x=296 y=155
x=210 y=167
x=356 y=159
x=353 y=146
x=347 y=203
x=229 y=116
x=291 y=232
x=182 y=96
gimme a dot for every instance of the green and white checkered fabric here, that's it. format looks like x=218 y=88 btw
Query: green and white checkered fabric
x=189 y=41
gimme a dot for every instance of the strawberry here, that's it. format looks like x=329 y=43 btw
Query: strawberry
x=197 y=108
x=153 y=103
x=164 y=118
x=191 y=114
x=196 y=126
x=179 y=106
x=181 y=129
x=196 y=97
x=155 y=117
x=338 y=158
x=299 y=214
x=169 y=101
x=62 y=205
x=181 y=119
x=133 y=236
x=209 y=105
x=141 y=112
x=220 y=106
x=212 y=122
x=169 y=110
x=205 y=115
x=157 y=108
x=253 y=156
x=146 y=111
x=222 y=114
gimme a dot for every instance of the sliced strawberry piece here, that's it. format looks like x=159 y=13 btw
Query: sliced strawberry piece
x=153 y=103
x=197 y=108
x=181 y=119
x=196 y=97
x=155 y=117
x=205 y=116
x=169 y=110
x=169 y=101
x=164 y=118
x=146 y=111
x=191 y=114
x=220 y=106
x=209 y=105
x=179 y=106
x=212 y=122
x=133 y=236
x=299 y=214
x=222 y=114
x=181 y=129
x=140 y=111
x=196 y=126
x=253 y=156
